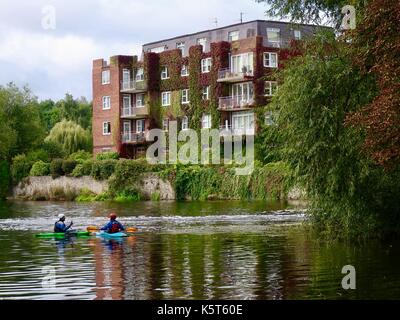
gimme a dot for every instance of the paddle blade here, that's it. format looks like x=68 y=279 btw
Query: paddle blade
x=92 y=228
x=132 y=229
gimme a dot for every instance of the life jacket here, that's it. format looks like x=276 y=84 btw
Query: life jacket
x=114 y=227
x=58 y=228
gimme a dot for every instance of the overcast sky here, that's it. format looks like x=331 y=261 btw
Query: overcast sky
x=55 y=61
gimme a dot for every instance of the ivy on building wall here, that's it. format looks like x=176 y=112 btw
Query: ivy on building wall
x=195 y=109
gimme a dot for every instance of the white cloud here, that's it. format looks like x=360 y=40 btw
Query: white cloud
x=53 y=62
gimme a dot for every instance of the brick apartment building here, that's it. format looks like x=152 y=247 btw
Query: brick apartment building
x=211 y=79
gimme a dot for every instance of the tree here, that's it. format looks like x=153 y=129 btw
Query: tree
x=376 y=43
x=20 y=121
x=311 y=11
x=71 y=136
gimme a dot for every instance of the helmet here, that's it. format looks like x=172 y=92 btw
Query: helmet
x=113 y=216
x=61 y=215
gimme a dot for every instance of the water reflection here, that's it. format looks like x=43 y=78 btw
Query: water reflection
x=222 y=258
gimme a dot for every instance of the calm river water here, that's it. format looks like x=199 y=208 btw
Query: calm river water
x=186 y=250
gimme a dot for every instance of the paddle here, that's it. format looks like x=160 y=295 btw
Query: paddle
x=95 y=228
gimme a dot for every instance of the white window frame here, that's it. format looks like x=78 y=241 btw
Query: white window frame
x=206 y=121
x=202 y=42
x=166 y=98
x=276 y=30
x=139 y=75
x=243 y=122
x=270 y=54
x=206 y=65
x=185 y=96
x=164 y=73
x=124 y=98
x=106 y=128
x=104 y=150
x=181 y=46
x=105 y=77
x=206 y=93
x=142 y=123
x=240 y=61
x=184 y=71
x=236 y=33
x=157 y=49
x=106 y=102
x=165 y=124
x=185 y=123
x=142 y=100
x=268 y=88
x=297 y=34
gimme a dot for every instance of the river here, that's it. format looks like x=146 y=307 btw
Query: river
x=186 y=250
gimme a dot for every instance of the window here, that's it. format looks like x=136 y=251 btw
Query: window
x=184 y=71
x=106 y=102
x=140 y=100
x=126 y=101
x=126 y=79
x=202 y=42
x=166 y=98
x=185 y=96
x=140 y=126
x=157 y=49
x=233 y=36
x=243 y=122
x=205 y=65
x=181 y=46
x=242 y=63
x=269 y=118
x=206 y=93
x=206 y=121
x=270 y=88
x=103 y=150
x=105 y=77
x=106 y=128
x=165 y=124
x=271 y=59
x=164 y=73
x=140 y=74
x=274 y=35
x=297 y=34
x=242 y=93
x=185 y=123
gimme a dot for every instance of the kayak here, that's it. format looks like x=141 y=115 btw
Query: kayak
x=111 y=235
x=62 y=235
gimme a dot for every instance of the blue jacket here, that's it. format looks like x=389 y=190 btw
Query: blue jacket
x=60 y=226
x=109 y=225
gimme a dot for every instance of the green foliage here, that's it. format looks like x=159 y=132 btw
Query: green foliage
x=102 y=170
x=344 y=189
x=80 y=156
x=21 y=129
x=71 y=136
x=54 y=150
x=108 y=156
x=56 y=168
x=127 y=174
x=128 y=194
x=68 y=166
x=20 y=168
x=195 y=90
x=86 y=195
x=40 y=168
x=4 y=178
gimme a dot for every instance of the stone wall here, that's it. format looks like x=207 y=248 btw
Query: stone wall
x=67 y=188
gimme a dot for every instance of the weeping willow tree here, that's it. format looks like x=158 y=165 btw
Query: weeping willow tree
x=71 y=136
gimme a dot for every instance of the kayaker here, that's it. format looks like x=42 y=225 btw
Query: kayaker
x=113 y=226
x=60 y=226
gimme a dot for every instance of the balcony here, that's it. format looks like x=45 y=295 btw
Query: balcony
x=228 y=130
x=226 y=75
x=130 y=86
x=235 y=103
x=129 y=112
x=133 y=137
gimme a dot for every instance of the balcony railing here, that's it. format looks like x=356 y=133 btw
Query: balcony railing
x=133 y=137
x=234 y=131
x=235 y=103
x=133 y=86
x=231 y=76
x=133 y=111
